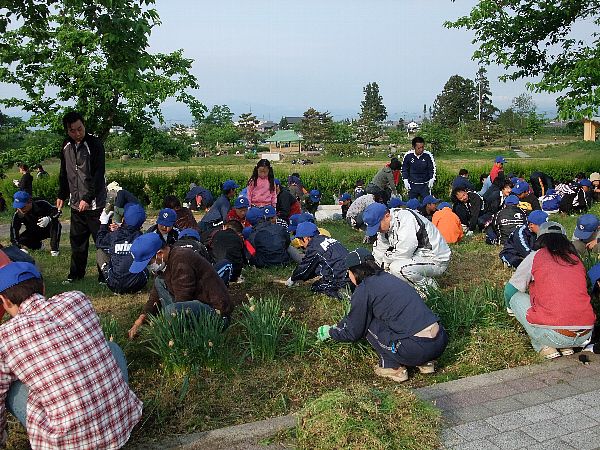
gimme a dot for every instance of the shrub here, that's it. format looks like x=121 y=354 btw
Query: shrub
x=361 y=417
x=342 y=150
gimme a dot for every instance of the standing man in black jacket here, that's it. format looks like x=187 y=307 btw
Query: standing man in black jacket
x=81 y=181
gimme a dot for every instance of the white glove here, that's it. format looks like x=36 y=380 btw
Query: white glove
x=289 y=282
x=16 y=183
x=44 y=222
x=469 y=233
x=430 y=183
x=105 y=217
x=407 y=185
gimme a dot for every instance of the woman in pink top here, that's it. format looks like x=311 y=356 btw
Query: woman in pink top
x=261 y=185
x=557 y=313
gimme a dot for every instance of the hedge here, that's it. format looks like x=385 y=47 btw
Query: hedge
x=151 y=188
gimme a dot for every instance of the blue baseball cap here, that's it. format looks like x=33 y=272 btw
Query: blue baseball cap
x=315 y=195
x=345 y=196
x=20 y=199
x=357 y=257
x=430 y=199
x=413 y=203
x=166 y=217
x=520 y=187
x=241 y=202
x=593 y=274
x=143 y=249
x=372 y=217
x=295 y=220
x=189 y=232
x=537 y=217
x=586 y=226
x=228 y=185
x=511 y=200
x=246 y=232
x=207 y=197
x=134 y=215
x=444 y=205
x=500 y=159
x=254 y=214
x=585 y=182
x=308 y=217
x=306 y=229
x=277 y=181
x=269 y=211
x=395 y=202
x=17 y=272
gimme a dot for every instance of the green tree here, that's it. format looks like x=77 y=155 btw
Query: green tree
x=283 y=124
x=316 y=127
x=457 y=103
x=91 y=55
x=485 y=109
x=534 y=38
x=247 y=127
x=219 y=115
x=342 y=132
x=372 y=113
x=534 y=124
x=438 y=138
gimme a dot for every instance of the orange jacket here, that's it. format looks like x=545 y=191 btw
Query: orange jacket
x=449 y=225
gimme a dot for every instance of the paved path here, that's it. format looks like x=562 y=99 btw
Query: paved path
x=555 y=405
x=520 y=153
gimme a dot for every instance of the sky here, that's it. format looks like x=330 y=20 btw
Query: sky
x=277 y=58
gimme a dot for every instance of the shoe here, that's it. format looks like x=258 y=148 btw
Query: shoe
x=566 y=351
x=510 y=312
x=68 y=281
x=427 y=367
x=54 y=253
x=240 y=279
x=399 y=375
x=549 y=352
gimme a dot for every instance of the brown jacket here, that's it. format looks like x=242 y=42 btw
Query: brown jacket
x=188 y=276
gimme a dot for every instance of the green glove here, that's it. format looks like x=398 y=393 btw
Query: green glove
x=323 y=332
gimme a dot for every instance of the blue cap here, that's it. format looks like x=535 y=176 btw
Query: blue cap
x=269 y=211
x=520 y=187
x=241 y=202
x=166 y=217
x=189 y=232
x=586 y=226
x=277 y=181
x=315 y=195
x=594 y=274
x=372 y=217
x=511 y=200
x=537 y=217
x=20 y=199
x=444 y=205
x=308 y=217
x=345 y=196
x=246 y=232
x=15 y=273
x=295 y=219
x=413 y=203
x=143 y=249
x=395 y=202
x=306 y=229
x=585 y=182
x=500 y=159
x=430 y=199
x=514 y=180
x=254 y=214
x=207 y=198
x=229 y=184
x=134 y=215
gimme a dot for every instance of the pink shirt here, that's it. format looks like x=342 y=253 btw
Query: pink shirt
x=261 y=195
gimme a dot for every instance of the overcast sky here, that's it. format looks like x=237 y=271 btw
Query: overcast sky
x=281 y=57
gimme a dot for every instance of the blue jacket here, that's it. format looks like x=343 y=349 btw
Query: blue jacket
x=118 y=244
x=418 y=169
x=123 y=197
x=387 y=308
x=218 y=211
x=518 y=245
x=325 y=257
x=271 y=242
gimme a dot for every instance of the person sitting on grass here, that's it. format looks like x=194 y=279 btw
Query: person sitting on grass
x=184 y=281
x=527 y=199
x=198 y=197
x=521 y=241
x=165 y=226
x=270 y=242
x=239 y=211
x=578 y=199
x=448 y=223
x=345 y=200
x=358 y=206
x=287 y=204
x=116 y=199
x=185 y=216
x=59 y=377
x=548 y=295
x=312 y=202
x=261 y=185
x=429 y=207
x=505 y=221
x=392 y=316
x=324 y=257
x=468 y=206
x=585 y=237
x=495 y=197
x=114 y=256
x=226 y=244
x=462 y=180
x=217 y=214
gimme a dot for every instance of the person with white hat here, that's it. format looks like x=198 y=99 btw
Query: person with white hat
x=116 y=199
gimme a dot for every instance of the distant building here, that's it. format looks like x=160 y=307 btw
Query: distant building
x=117 y=130
x=412 y=127
x=267 y=126
x=293 y=120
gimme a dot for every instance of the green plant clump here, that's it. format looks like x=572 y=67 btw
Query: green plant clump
x=365 y=418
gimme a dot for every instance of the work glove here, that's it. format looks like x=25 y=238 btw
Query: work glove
x=323 y=332
x=43 y=222
x=105 y=217
x=430 y=183
x=407 y=185
x=289 y=282
x=469 y=233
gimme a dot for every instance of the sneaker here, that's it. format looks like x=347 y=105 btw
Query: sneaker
x=399 y=375
x=54 y=253
x=68 y=281
x=510 y=312
x=427 y=367
x=566 y=351
x=549 y=352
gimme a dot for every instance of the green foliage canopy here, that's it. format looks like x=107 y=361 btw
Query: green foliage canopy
x=457 y=103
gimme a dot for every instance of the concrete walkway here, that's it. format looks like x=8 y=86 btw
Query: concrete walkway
x=520 y=153
x=555 y=405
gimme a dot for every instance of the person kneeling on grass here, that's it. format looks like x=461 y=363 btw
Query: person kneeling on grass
x=557 y=312
x=325 y=257
x=391 y=315
x=184 y=281
x=58 y=375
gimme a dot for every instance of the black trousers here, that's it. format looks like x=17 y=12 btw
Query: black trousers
x=83 y=225
x=32 y=237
